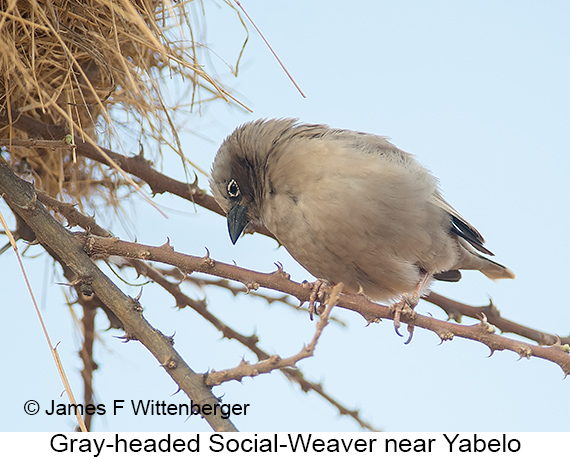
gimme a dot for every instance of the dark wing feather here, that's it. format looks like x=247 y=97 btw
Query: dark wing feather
x=448 y=276
x=460 y=226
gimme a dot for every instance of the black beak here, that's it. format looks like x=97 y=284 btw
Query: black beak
x=237 y=221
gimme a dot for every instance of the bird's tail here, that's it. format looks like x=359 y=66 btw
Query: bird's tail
x=472 y=260
x=494 y=270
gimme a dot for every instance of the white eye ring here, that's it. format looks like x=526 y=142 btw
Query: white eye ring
x=233 y=189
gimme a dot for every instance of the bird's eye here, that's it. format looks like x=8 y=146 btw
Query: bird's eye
x=233 y=189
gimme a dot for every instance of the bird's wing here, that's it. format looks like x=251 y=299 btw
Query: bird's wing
x=460 y=226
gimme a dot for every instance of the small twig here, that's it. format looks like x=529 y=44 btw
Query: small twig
x=235 y=290
x=86 y=355
x=73 y=216
x=455 y=310
x=36 y=143
x=275 y=362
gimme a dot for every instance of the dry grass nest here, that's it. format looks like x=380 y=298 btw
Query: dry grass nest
x=96 y=66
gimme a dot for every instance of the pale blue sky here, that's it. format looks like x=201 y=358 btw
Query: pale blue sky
x=478 y=91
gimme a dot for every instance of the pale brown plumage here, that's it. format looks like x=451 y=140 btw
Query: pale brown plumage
x=350 y=207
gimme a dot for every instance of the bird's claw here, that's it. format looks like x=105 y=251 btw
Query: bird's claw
x=406 y=305
x=318 y=290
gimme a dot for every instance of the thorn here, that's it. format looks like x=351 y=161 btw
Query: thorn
x=127 y=337
x=453 y=314
x=558 y=344
x=207 y=260
x=251 y=286
x=29 y=206
x=281 y=272
x=275 y=358
x=253 y=339
x=195 y=183
x=137 y=298
x=167 y=245
x=525 y=352
x=170 y=365
x=445 y=336
x=177 y=391
x=170 y=338
x=87 y=288
x=372 y=320
x=136 y=305
x=489 y=328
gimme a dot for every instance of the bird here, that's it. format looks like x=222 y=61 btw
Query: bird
x=348 y=206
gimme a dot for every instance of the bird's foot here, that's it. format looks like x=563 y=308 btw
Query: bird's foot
x=318 y=292
x=405 y=306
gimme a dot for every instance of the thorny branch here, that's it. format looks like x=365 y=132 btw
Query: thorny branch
x=22 y=199
x=202 y=282
x=251 y=342
x=373 y=312
x=275 y=362
x=455 y=310
x=73 y=217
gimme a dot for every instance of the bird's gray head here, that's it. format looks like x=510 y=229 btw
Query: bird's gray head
x=239 y=179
